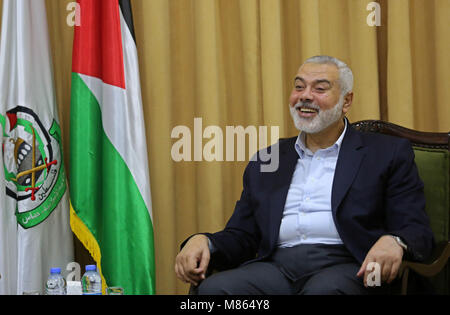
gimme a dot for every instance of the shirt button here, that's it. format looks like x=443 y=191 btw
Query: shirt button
x=304 y=237
x=307 y=198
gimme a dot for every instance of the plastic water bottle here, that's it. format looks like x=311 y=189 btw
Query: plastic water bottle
x=91 y=281
x=56 y=284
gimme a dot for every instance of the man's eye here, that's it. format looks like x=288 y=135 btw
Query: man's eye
x=298 y=87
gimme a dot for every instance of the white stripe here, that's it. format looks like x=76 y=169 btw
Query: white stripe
x=122 y=116
x=133 y=88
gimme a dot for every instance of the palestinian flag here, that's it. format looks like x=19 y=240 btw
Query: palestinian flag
x=109 y=177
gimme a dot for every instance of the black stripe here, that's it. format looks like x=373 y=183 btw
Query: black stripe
x=125 y=6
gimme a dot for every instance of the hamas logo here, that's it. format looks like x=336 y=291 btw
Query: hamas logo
x=33 y=165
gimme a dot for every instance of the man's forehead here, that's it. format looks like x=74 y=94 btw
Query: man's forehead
x=313 y=71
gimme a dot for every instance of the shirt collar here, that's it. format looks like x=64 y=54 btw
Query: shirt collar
x=301 y=148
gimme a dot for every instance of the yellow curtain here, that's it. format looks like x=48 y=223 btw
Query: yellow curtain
x=232 y=62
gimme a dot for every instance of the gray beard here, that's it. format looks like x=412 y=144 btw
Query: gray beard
x=321 y=121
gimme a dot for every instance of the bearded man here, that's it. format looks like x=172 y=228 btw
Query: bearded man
x=342 y=205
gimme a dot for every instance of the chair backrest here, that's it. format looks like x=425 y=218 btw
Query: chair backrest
x=432 y=157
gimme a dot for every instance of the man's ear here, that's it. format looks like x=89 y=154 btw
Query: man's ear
x=348 y=100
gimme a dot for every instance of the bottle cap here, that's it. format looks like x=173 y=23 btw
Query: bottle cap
x=91 y=267
x=55 y=270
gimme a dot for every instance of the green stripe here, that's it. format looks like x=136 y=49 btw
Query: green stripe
x=3 y=123
x=106 y=198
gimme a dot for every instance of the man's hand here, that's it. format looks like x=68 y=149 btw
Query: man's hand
x=388 y=254
x=192 y=261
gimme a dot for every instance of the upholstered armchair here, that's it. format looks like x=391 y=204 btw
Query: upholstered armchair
x=432 y=157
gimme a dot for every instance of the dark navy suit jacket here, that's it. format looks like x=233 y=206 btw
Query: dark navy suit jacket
x=376 y=191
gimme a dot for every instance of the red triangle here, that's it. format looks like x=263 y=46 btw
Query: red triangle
x=12 y=117
x=97 y=48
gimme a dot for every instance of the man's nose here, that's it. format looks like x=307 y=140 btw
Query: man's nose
x=306 y=95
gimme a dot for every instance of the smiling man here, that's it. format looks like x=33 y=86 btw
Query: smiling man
x=340 y=201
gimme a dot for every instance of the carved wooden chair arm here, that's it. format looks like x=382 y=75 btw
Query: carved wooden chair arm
x=430 y=268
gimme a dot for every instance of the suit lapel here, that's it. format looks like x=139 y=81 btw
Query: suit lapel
x=281 y=182
x=350 y=156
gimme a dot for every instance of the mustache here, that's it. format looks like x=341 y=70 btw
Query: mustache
x=307 y=105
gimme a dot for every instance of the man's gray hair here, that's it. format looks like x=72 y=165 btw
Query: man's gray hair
x=345 y=73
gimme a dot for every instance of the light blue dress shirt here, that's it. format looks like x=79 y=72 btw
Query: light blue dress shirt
x=307 y=217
